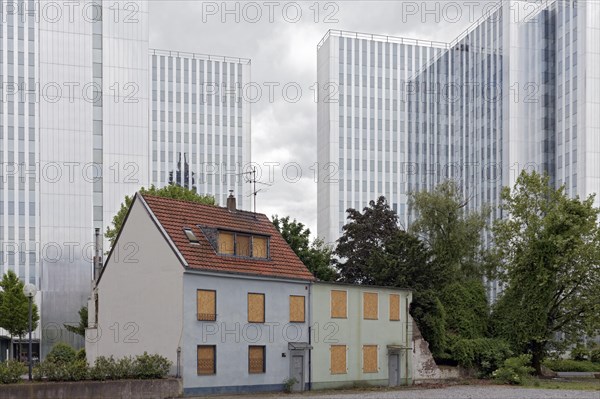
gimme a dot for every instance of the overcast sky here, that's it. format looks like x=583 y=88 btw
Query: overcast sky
x=281 y=40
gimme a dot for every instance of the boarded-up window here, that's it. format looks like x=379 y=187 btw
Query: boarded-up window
x=296 y=309
x=394 y=307
x=338 y=359
x=338 y=304
x=370 y=305
x=207 y=359
x=256 y=308
x=256 y=359
x=207 y=305
x=226 y=243
x=370 y=359
x=259 y=247
x=243 y=245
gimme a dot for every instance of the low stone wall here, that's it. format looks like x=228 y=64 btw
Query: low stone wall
x=123 y=389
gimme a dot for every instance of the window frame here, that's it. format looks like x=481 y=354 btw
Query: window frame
x=214 y=348
x=331 y=372
x=251 y=237
x=264 y=310
x=331 y=305
x=364 y=346
x=303 y=309
x=264 y=359
x=364 y=317
x=390 y=307
x=197 y=307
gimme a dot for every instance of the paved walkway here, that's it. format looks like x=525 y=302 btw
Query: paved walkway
x=455 y=392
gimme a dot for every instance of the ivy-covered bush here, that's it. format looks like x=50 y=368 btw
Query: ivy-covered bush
x=515 y=370
x=483 y=355
x=11 y=371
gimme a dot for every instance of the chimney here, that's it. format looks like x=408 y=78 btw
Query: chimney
x=231 y=207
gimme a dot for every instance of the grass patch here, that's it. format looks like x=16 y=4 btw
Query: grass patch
x=571 y=365
x=588 y=384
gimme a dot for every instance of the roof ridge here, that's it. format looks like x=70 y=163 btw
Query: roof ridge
x=145 y=195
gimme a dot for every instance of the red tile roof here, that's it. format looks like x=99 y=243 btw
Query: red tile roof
x=175 y=215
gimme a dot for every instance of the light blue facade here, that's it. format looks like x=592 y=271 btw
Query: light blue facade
x=232 y=334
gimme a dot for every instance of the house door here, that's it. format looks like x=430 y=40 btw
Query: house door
x=297 y=372
x=394 y=369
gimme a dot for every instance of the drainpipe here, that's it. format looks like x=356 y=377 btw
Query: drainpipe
x=309 y=337
x=406 y=351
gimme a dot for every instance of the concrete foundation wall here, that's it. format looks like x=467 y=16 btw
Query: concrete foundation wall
x=127 y=389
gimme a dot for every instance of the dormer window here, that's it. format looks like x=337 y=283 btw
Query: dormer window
x=191 y=236
x=243 y=245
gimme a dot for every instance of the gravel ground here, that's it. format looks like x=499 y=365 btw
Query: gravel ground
x=454 y=392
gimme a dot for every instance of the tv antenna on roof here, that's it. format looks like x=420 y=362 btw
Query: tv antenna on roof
x=254 y=181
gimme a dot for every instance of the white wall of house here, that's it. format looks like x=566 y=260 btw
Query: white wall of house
x=139 y=295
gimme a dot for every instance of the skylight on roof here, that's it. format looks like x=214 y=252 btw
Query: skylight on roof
x=191 y=236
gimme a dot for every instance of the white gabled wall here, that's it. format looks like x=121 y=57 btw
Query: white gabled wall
x=139 y=294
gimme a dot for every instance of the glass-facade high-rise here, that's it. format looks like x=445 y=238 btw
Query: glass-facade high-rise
x=200 y=122
x=85 y=107
x=517 y=90
x=73 y=142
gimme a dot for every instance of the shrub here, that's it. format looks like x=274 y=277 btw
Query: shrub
x=151 y=366
x=61 y=354
x=580 y=353
x=288 y=384
x=515 y=370
x=571 y=365
x=595 y=356
x=80 y=355
x=103 y=369
x=483 y=354
x=11 y=371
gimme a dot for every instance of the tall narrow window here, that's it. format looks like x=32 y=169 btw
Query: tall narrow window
x=207 y=359
x=339 y=304
x=256 y=359
x=256 y=308
x=370 y=306
x=394 y=307
x=296 y=309
x=243 y=245
x=206 y=305
x=370 y=363
x=338 y=359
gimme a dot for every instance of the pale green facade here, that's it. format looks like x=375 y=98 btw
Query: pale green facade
x=392 y=338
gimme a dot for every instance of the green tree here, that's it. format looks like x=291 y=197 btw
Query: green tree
x=316 y=255
x=171 y=191
x=449 y=230
x=365 y=234
x=14 y=307
x=83 y=323
x=403 y=261
x=550 y=246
